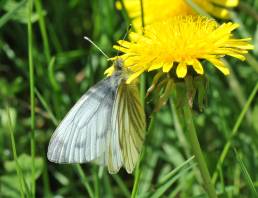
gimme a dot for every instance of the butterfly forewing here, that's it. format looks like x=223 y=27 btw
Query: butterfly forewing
x=83 y=135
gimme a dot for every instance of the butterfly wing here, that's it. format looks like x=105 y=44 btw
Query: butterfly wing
x=128 y=121
x=84 y=134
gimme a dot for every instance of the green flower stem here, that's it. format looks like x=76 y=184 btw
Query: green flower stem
x=136 y=180
x=143 y=89
x=32 y=98
x=138 y=171
x=142 y=14
x=198 y=152
x=178 y=127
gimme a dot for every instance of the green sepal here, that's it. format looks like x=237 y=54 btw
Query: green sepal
x=191 y=89
x=201 y=84
x=166 y=94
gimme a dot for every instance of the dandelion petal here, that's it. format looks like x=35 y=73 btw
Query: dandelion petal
x=167 y=67
x=220 y=65
x=109 y=71
x=134 y=76
x=154 y=66
x=198 y=67
x=181 y=70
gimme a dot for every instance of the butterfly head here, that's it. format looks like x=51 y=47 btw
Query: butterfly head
x=120 y=69
x=118 y=64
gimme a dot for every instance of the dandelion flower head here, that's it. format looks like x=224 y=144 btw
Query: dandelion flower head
x=179 y=43
x=163 y=9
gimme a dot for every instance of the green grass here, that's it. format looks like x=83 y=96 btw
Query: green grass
x=46 y=65
x=32 y=97
x=17 y=166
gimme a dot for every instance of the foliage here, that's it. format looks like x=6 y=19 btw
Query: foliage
x=66 y=66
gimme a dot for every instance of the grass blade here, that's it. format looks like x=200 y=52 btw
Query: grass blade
x=32 y=97
x=43 y=31
x=45 y=105
x=122 y=186
x=84 y=180
x=4 y=19
x=246 y=175
x=234 y=131
x=197 y=8
x=172 y=177
x=174 y=171
x=138 y=170
x=11 y=131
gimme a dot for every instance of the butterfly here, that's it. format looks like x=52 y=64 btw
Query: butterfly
x=107 y=126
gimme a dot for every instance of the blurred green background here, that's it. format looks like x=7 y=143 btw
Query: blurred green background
x=66 y=65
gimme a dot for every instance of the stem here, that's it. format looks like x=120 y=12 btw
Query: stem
x=32 y=98
x=43 y=31
x=84 y=179
x=124 y=13
x=143 y=77
x=47 y=108
x=96 y=183
x=46 y=185
x=11 y=130
x=178 y=127
x=237 y=89
x=197 y=8
x=142 y=89
x=137 y=179
x=122 y=185
x=142 y=14
x=6 y=17
x=138 y=171
x=252 y=61
x=198 y=152
x=245 y=7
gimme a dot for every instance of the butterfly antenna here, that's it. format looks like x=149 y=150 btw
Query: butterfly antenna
x=128 y=31
x=126 y=34
x=95 y=45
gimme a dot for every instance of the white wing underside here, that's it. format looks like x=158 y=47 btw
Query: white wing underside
x=84 y=134
x=100 y=128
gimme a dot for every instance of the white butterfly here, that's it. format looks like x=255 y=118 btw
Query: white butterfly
x=107 y=125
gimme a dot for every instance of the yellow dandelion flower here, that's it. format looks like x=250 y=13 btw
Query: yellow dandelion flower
x=163 y=9
x=217 y=8
x=181 y=42
x=155 y=10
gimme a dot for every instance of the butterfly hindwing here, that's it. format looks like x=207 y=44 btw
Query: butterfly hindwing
x=128 y=120
x=83 y=135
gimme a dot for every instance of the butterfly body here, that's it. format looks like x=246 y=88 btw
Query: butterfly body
x=106 y=125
